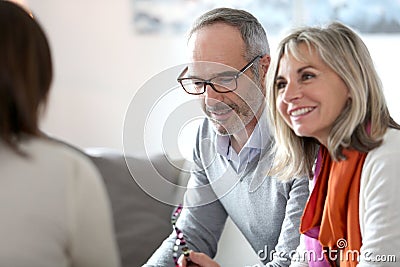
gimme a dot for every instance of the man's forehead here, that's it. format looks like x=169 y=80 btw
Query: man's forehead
x=217 y=43
x=217 y=35
x=206 y=69
x=220 y=54
x=215 y=62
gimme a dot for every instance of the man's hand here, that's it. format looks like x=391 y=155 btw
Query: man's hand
x=197 y=259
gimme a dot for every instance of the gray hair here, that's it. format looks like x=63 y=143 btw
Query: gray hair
x=364 y=120
x=252 y=32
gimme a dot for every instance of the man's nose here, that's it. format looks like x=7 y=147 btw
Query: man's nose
x=212 y=97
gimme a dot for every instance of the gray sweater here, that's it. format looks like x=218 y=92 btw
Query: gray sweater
x=266 y=211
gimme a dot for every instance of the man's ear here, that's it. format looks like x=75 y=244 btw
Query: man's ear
x=264 y=65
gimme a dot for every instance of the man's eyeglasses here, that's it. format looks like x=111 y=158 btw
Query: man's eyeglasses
x=222 y=83
x=180 y=241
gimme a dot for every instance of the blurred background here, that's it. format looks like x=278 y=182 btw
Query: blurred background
x=105 y=52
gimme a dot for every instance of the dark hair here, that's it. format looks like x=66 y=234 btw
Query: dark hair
x=26 y=73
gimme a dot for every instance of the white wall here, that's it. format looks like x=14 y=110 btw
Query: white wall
x=385 y=52
x=99 y=65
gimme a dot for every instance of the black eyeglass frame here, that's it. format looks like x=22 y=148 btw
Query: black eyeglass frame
x=180 y=79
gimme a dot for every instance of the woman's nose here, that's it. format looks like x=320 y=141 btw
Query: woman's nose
x=292 y=92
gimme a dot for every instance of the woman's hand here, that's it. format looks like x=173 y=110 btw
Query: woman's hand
x=197 y=259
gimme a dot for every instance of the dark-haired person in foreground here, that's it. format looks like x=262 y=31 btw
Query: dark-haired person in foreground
x=53 y=204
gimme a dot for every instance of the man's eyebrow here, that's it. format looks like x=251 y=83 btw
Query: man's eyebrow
x=228 y=72
x=214 y=75
x=193 y=77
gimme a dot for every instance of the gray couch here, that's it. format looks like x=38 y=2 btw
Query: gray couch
x=141 y=222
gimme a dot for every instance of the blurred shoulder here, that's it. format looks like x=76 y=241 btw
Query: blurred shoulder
x=387 y=155
x=390 y=144
x=56 y=154
x=54 y=147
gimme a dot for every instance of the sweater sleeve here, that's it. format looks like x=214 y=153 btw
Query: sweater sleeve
x=379 y=197
x=92 y=240
x=299 y=259
x=289 y=237
x=201 y=225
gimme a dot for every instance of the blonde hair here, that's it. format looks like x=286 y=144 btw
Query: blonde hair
x=362 y=123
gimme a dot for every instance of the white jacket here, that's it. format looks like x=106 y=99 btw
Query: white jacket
x=378 y=212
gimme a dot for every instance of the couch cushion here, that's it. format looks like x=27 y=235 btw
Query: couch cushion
x=141 y=222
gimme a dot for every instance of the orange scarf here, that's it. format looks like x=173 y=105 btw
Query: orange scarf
x=333 y=206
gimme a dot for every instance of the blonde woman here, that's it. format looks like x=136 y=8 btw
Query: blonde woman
x=326 y=101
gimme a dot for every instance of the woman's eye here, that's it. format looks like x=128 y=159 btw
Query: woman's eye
x=307 y=76
x=280 y=85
